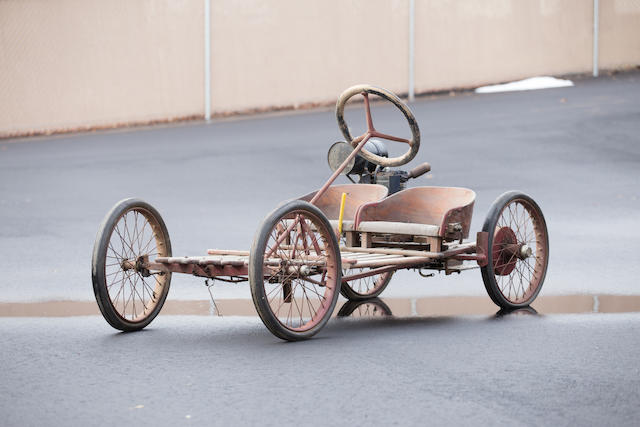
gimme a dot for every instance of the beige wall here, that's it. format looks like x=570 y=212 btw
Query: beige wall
x=467 y=43
x=79 y=63
x=70 y=63
x=619 y=33
x=289 y=52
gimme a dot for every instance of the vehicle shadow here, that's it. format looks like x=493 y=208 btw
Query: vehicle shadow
x=521 y=311
x=377 y=308
x=372 y=316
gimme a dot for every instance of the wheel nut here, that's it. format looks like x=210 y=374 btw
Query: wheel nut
x=525 y=252
x=305 y=270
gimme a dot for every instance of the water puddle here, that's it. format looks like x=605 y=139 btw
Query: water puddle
x=399 y=307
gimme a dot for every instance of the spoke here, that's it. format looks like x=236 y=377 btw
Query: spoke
x=116 y=252
x=136 y=236
x=296 y=303
x=113 y=273
x=113 y=263
x=133 y=297
x=150 y=290
x=389 y=137
x=128 y=233
x=116 y=280
x=282 y=237
x=367 y=110
x=312 y=311
x=276 y=295
x=520 y=282
x=303 y=236
x=140 y=237
x=310 y=280
x=141 y=298
x=283 y=300
x=314 y=240
x=510 y=216
x=115 y=298
x=125 y=303
x=123 y=241
x=289 y=313
x=146 y=247
x=314 y=291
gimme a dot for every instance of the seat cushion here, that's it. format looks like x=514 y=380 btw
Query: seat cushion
x=389 y=227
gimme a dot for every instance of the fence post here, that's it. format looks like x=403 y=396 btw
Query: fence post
x=207 y=60
x=412 y=31
x=596 y=13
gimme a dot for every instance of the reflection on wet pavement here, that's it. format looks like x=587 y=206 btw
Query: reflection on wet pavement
x=523 y=311
x=374 y=307
x=398 y=307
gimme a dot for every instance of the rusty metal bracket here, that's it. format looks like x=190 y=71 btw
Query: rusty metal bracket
x=209 y=284
x=482 y=248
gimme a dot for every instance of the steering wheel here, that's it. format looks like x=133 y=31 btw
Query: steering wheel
x=365 y=90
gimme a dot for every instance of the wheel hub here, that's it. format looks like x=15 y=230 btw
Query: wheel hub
x=504 y=259
x=139 y=265
x=525 y=251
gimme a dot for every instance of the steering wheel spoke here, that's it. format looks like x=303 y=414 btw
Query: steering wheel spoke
x=376 y=134
x=355 y=141
x=367 y=109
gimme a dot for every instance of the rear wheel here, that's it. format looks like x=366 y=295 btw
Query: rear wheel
x=295 y=271
x=366 y=287
x=131 y=234
x=518 y=250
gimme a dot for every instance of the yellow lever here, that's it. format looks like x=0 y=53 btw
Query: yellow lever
x=344 y=198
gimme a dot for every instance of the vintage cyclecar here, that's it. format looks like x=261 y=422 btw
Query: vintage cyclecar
x=347 y=239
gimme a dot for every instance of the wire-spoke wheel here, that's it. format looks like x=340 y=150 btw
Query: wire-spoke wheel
x=130 y=236
x=518 y=250
x=295 y=271
x=366 y=287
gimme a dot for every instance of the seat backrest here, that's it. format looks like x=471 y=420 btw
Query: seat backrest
x=423 y=205
x=357 y=194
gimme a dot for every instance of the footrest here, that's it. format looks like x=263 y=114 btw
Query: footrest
x=353 y=257
x=232 y=260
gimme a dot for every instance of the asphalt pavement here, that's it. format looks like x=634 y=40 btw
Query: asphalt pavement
x=193 y=370
x=575 y=150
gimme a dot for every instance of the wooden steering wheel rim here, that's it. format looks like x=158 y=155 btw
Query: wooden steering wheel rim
x=414 y=142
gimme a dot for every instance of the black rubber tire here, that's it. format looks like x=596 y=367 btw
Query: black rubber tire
x=256 y=269
x=352 y=295
x=99 y=264
x=488 y=272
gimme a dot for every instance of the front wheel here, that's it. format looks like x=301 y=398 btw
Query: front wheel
x=295 y=271
x=518 y=252
x=131 y=234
